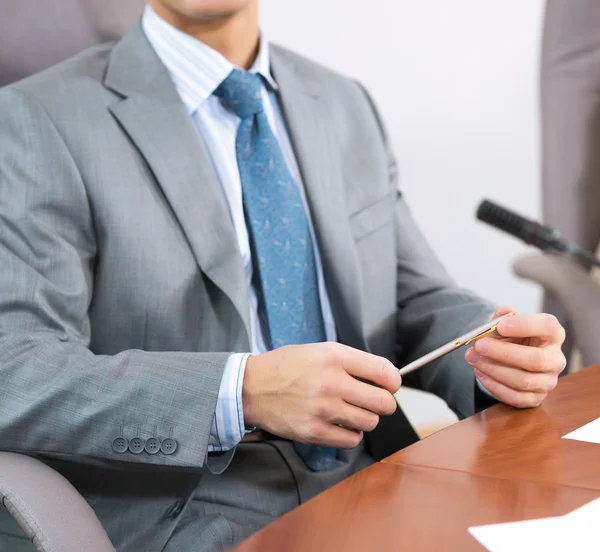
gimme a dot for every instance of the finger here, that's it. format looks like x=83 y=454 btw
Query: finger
x=517 y=379
x=367 y=397
x=376 y=369
x=352 y=417
x=501 y=311
x=532 y=359
x=544 y=326
x=330 y=435
x=518 y=399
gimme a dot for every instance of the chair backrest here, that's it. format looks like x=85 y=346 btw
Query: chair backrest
x=35 y=34
x=570 y=112
x=570 y=88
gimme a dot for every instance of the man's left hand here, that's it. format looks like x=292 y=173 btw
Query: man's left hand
x=520 y=363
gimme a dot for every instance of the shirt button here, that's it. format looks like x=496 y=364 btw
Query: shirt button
x=168 y=446
x=152 y=445
x=119 y=445
x=136 y=445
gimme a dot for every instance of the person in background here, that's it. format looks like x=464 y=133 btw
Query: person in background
x=208 y=276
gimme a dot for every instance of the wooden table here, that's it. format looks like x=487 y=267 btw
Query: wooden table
x=500 y=465
x=522 y=444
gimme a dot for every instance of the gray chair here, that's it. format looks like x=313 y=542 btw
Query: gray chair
x=33 y=36
x=36 y=35
x=570 y=112
x=48 y=509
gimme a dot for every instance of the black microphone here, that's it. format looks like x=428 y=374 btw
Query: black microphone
x=533 y=233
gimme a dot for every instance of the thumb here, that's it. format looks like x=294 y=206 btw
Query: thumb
x=500 y=311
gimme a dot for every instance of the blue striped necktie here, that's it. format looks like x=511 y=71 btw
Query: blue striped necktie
x=280 y=238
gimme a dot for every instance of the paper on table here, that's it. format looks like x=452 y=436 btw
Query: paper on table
x=589 y=512
x=589 y=433
x=522 y=536
x=576 y=531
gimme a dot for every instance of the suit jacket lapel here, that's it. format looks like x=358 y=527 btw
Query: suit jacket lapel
x=155 y=119
x=308 y=119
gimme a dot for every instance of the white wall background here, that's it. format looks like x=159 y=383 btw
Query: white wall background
x=457 y=83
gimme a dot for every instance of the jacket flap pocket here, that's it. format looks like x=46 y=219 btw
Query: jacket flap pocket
x=372 y=217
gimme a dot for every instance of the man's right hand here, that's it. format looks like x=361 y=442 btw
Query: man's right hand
x=311 y=394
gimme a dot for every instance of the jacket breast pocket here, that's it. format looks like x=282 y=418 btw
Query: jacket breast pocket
x=373 y=217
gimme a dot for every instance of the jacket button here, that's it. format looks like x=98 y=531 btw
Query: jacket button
x=152 y=445
x=136 y=445
x=119 y=445
x=168 y=446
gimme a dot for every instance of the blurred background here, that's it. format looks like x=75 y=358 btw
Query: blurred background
x=457 y=84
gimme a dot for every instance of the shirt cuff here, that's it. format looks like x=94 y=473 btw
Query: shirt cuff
x=483 y=389
x=228 y=422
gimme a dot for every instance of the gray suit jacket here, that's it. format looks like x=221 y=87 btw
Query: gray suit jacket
x=122 y=290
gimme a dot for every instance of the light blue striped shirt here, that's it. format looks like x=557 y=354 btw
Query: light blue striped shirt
x=197 y=70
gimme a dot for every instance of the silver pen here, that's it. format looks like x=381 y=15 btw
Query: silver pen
x=463 y=340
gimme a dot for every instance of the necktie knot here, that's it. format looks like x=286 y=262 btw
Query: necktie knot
x=241 y=93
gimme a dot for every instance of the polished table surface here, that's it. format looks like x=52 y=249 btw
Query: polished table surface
x=522 y=444
x=391 y=507
x=500 y=465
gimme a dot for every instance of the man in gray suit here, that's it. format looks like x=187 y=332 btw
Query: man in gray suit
x=207 y=273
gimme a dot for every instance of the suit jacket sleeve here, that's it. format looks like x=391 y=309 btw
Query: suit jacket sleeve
x=58 y=398
x=431 y=311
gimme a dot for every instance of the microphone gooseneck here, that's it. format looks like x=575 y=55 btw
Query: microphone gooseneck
x=533 y=233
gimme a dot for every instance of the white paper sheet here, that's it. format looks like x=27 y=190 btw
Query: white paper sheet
x=589 y=512
x=578 y=531
x=589 y=433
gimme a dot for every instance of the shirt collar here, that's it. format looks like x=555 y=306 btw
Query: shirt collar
x=195 y=68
